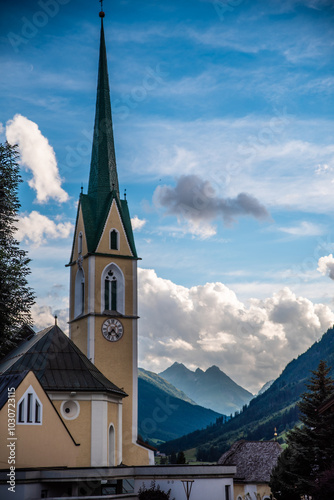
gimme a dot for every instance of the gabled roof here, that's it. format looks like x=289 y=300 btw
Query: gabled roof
x=254 y=460
x=7 y=382
x=58 y=364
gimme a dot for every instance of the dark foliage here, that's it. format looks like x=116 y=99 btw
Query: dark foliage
x=16 y=297
x=181 y=459
x=310 y=453
x=153 y=493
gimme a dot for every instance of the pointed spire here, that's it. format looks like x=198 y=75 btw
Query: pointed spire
x=103 y=171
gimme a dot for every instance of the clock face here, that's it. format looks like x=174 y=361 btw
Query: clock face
x=112 y=329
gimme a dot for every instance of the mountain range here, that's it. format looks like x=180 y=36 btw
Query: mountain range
x=166 y=413
x=274 y=408
x=211 y=388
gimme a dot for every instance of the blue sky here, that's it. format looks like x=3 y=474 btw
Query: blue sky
x=223 y=125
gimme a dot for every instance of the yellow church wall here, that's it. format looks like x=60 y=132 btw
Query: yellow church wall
x=113 y=419
x=80 y=227
x=45 y=445
x=78 y=334
x=112 y=359
x=114 y=222
x=80 y=429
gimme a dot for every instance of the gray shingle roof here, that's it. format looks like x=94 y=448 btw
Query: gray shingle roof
x=254 y=459
x=9 y=381
x=58 y=364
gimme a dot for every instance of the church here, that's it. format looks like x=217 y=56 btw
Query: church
x=69 y=404
x=73 y=400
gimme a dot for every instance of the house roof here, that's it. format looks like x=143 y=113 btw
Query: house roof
x=254 y=459
x=8 y=381
x=58 y=364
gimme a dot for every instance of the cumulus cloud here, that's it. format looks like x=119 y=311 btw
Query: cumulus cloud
x=38 y=229
x=326 y=266
x=44 y=316
x=208 y=325
x=37 y=156
x=137 y=224
x=196 y=201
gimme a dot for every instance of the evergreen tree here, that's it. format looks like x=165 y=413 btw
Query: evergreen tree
x=181 y=459
x=16 y=298
x=310 y=451
x=173 y=458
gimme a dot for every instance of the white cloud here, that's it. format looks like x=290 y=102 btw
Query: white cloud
x=37 y=156
x=137 y=224
x=326 y=266
x=44 y=316
x=39 y=229
x=252 y=344
x=304 y=229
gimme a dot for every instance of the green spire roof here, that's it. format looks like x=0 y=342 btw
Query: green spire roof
x=103 y=185
x=103 y=172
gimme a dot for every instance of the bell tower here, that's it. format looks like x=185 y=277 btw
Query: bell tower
x=103 y=272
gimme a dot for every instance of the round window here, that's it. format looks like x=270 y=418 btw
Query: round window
x=70 y=409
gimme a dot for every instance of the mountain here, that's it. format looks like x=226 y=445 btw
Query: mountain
x=265 y=387
x=211 y=388
x=276 y=407
x=165 y=412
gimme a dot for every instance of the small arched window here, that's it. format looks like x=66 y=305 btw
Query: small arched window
x=80 y=243
x=79 y=299
x=114 y=239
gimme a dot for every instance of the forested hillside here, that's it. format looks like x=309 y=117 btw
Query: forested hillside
x=276 y=407
x=166 y=413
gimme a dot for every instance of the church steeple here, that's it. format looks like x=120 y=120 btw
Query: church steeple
x=103 y=177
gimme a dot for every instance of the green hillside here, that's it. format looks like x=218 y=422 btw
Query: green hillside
x=166 y=413
x=276 y=407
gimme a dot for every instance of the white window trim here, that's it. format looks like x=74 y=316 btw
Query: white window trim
x=120 y=286
x=35 y=399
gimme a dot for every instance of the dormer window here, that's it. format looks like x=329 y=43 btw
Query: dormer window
x=114 y=239
x=29 y=408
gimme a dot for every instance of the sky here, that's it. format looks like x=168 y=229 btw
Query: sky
x=223 y=126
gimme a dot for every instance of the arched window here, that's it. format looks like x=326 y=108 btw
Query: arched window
x=80 y=243
x=112 y=288
x=111 y=458
x=114 y=239
x=29 y=408
x=79 y=298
